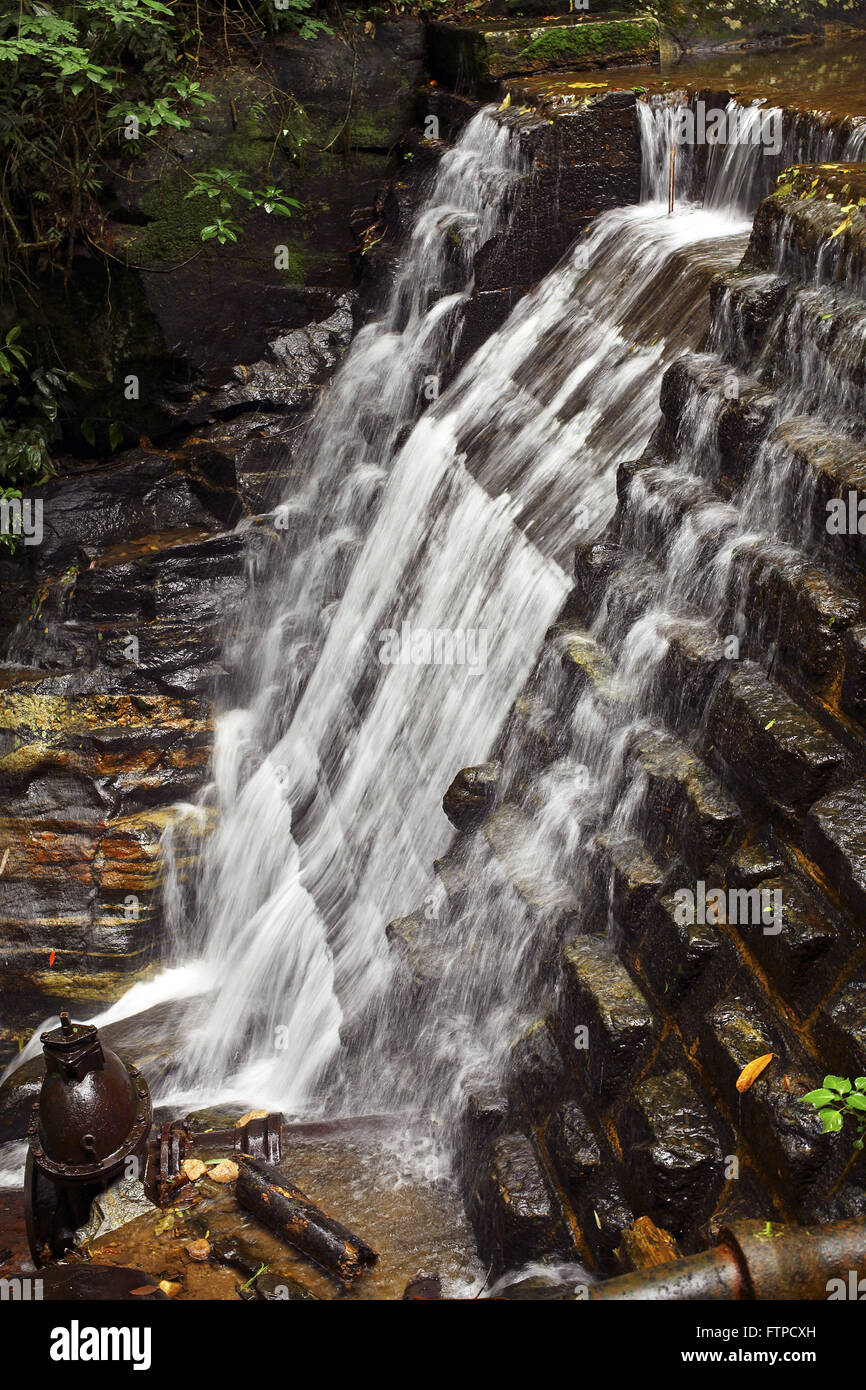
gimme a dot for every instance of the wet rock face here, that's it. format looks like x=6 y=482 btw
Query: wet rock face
x=515 y=1216
x=748 y=774
x=471 y=794
x=478 y=54
x=578 y=164
x=672 y=1151
x=612 y=1025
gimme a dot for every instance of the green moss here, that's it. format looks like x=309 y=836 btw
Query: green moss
x=580 y=40
x=174 y=231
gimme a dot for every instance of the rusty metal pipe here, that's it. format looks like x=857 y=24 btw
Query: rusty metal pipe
x=754 y=1260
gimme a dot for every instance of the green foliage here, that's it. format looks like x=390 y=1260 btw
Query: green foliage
x=838 y=1100
x=293 y=16
x=71 y=76
x=31 y=399
x=226 y=185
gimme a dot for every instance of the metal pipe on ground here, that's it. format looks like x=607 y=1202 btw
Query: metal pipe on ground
x=754 y=1260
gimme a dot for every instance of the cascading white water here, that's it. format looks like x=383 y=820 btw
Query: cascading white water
x=328 y=780
x=335 y=829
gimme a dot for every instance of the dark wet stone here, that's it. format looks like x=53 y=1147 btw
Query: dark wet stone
x=537 y=1070
x=604 y=1215
x=803 y=611
x=803 y=957
x=841 y=1030
x=672 y=1152
x=752 y=301
x=770 y=743
x=513 y=1213
x=689 y=812
x=752 y=863
x=574 y=1147
x=142 y=492
x=299 y=361
x=686 y=963
x=783 y=1133
x=836 y=838
x=853 y=697
x=423 y=1287
x=471 y=794
x=627 y=879
x=89 y=1283
x=601 y=996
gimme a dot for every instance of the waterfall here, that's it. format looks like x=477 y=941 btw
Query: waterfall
x=329 y=779
x=418 y=564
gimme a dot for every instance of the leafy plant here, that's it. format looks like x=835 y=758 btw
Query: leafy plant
x=838 y=1100
x=297 y=16
x=226 y=185
x=30 y=401
x=75 y=78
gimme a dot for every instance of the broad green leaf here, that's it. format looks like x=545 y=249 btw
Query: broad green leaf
x=831 y=1121
x=840 y=1084
x=819 y=1097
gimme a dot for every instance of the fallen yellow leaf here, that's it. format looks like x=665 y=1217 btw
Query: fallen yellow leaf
x=226 y=1171
x=750 y=1073
x=251 y=1115
x=170 y=1289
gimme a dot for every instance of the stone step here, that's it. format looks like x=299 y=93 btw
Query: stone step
x=791 y=610
x=688 y=812
x=769 y=742
x=835 y=837
x=840 y=1028
x=743 y=305
x=513 y=1206
x=623 y=878
x=771 y=746
x=784 y=1134
x=731 y=409
x=674 y=1149
x=475 y=55
x=788 y=929
x=684 y=961
x=606 y=1019
x=807 y=341
x=588 y=1173
x=796 y=232
x=829 y=473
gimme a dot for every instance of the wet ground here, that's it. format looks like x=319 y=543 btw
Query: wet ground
x=827 y=78
x=384 y=1183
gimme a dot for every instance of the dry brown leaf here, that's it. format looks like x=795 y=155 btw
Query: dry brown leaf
x=193 y=1168
x=169 y=1288
x=251 y=1115
x=750 y=1073
x=198 y=1250
x=225 y=1171
x=143 y=1289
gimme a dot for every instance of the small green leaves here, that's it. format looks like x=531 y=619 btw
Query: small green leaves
x=840 y=1084
x=837 y=1101
x=819 y=1097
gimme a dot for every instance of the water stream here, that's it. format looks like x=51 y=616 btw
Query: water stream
x=424 y=560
